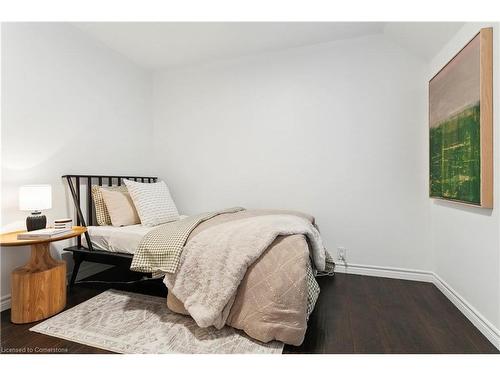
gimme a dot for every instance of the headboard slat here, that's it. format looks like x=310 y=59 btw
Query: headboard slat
x=79 y=218
x=77 y=182
x=89 y=201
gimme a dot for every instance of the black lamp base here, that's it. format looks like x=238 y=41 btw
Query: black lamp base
x=36 y=221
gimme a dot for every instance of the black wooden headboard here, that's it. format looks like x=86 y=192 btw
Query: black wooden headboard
x=80 y=179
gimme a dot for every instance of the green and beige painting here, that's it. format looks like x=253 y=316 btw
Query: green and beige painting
x=454 y=116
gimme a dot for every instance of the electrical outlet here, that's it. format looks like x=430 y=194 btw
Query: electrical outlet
x=342 y=254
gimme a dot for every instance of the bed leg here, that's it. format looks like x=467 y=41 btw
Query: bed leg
x=78 y=259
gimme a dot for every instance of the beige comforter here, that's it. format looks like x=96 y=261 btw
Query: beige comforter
x=271 y=300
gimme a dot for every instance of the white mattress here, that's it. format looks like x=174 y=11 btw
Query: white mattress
x=118 y=239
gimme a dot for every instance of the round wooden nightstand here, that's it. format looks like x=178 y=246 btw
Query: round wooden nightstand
x=39 y=287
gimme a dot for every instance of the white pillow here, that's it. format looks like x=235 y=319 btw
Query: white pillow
x=152 y=202
x=120 y=208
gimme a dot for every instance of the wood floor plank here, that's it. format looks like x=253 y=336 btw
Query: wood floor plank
x=333 y=315
x=397 y=318
x=435 y=319
x=366 y=325
x=461 y=335
x=354 y=314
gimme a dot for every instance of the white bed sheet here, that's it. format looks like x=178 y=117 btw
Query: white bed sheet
x=118 y=239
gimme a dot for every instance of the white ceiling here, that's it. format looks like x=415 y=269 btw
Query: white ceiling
x=162 y=45
x=158 y=45
x=425 y=39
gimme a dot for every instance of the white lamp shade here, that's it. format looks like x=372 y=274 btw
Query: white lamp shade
x=35 y=197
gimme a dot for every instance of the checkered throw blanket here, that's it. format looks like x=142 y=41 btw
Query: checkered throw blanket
x=160 y=250
x=312 y=285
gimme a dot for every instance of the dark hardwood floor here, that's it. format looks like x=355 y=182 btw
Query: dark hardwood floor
x=354 y=314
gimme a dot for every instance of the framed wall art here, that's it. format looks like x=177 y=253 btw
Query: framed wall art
x=461 y=125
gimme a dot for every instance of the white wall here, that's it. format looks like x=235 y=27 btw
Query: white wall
x=337 y=130
x=69 y=105
x=465 y=240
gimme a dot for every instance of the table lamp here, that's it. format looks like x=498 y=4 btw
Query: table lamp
x=35 y=198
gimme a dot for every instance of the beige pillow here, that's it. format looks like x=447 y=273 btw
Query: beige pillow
x=120 y=207
x=101 y=212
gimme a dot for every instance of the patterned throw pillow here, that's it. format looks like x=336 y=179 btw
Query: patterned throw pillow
x=153 y=202
x=101 y=212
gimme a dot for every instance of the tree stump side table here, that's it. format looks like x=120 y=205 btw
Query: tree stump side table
x=38 y=289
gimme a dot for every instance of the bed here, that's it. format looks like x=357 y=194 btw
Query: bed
x=123 y=240
x=268 y=289
x=80 y=188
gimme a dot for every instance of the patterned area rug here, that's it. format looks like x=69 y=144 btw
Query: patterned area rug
x=126 y=322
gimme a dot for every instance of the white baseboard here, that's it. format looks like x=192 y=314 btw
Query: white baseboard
x=86 y=269
x=5 y=302
x=480 y=322
x=389 y=272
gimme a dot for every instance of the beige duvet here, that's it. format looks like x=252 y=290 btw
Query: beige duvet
x=271 y=300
